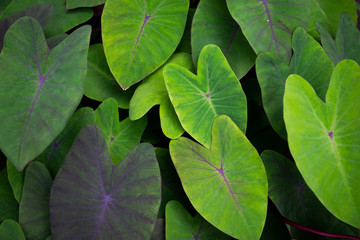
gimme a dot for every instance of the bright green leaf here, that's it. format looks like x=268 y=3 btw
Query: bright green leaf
x=11 y=230
x=9 y=207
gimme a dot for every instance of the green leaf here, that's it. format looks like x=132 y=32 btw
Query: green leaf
x=295 y=200
x=346 y=44
x=139 y=36
x=34 y=206
x=213 y=24
x=152 y=91
x=159 y=230
x=181 y=225
x=309 y=61
x=55 y=153
x=100 y=83
x=62 y=19
x=53 y=41
x=227 y=184
x=11 y=230
x=317 y=17
x=120 y=137
x=324 y=138
x=198 y=99
x=3 y=5
x=185 y=42
x=70 y=4
x=40 y=88
x=9 y=207
x=16 y=180
x=334 y=8
x=269 y=26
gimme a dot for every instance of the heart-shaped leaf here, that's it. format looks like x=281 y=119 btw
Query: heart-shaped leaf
x=324 y=138
x=139 y=36
x=268 y=26
x=309 y=61
x=227 y=184
x=213 y=24
x=198 y=99
x=9 y=207
x=11 y=230
x=120 y=137
x=16 y=180
x=92 y=199
x=346 y=44
x=71 y=4
x=40 y=89
x=152 y=91
x=34 y=205
x=181 y=225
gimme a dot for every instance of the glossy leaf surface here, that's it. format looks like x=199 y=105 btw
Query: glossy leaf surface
x=227 y=184
x=40 y=88
x=323 y=137
x=198 y=99
x=11 y=230
x=93 y=199
x=309 y=61
x=213 y=24
x=139 y=36
x=268 y=25
x=9 y=207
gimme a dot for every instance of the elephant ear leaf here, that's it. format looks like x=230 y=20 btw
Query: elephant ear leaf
x=40 y=88
x=226 y=182
x=324 y=137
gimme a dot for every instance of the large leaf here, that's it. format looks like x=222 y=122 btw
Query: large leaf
x=152 y=91
x=346 y=44
x=40 y=88
x=120 y=137
x=93 y=199
x=34 y=205
x=61 y=21
x=268 y=26
x=213 y=24
x=227 y=184
x=324 y=138
x=70 y=4
x=55 y=153
x=11 y=230
x=198 y=99
x=9 y=207
x=295 y=200
x=181 y=225
x=309 y=61
x=139 y=36
x=16 y=180
x=100 y=83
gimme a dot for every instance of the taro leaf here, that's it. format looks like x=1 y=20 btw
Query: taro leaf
x=70 y=4
x=9 y=207
x=317 y=17
x=185 y=42
x=181 y=225
x=53 y=41
x=213 y=24
x=11 y=230
x=159 y=230
x=227 y=184
x=334 y=8
x=41 y=12
x=55 y=153
x=120 y=137
x=92 y=199
x=295 y=200
x=198 y=99
x=16 y=180
x=268 y=26
x=100 y=83
x=61 y=21
x=152 y=91
x=40 y=89
x=309 y=61
x=139 y=36
x=324 y=137
x=346 y=44
x=34 y=205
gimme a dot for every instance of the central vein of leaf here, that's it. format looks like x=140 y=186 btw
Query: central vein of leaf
x=267 y=10
x=221 y=171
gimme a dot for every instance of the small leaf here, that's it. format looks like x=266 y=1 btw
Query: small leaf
x=9 y=207
x=16 y=180
x=11 y=230
x=226 y=182
x=198 y=99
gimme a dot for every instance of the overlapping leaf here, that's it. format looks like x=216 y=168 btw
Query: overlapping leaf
x=40 y=89
x=70 y=4
x=227 y=184
x=11 y=230
x=9 y=207
x=324 y=138
x=93 y=199
x=317 y=17
x=16 y=180
x=139 y=36
x=198 y=99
